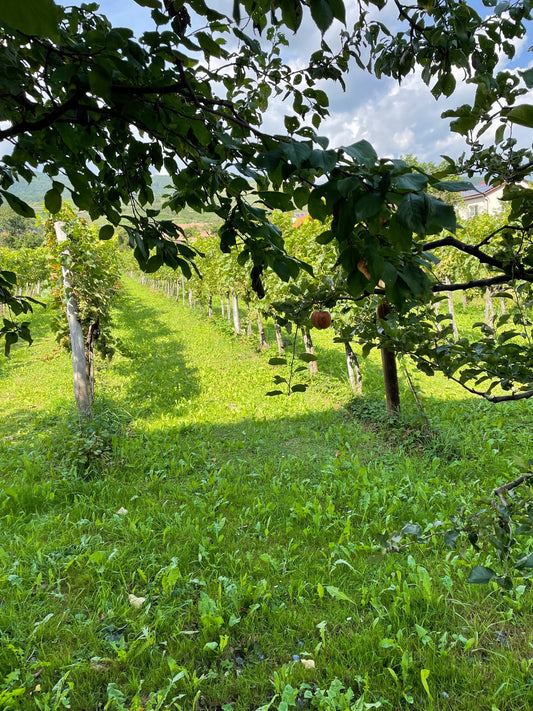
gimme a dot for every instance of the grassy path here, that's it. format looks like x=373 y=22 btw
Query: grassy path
x=196 y=541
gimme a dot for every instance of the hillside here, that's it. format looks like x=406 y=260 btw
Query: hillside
x=33 y=194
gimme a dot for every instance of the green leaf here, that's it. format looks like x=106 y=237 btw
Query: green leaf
x=281 y=268
x=410 y=181
x=368 y=206
x=11 y=338
x=307 y=357
x=299 y=388
x=9 y=277
x=296 y=152
x=38 y=18
x=481 y=575
x=276 y=200
x=424 y=673
x=52 y=201
x=18 y=205
x=448 y=84
x=316 y=206
x=338 y=594
x=527 y=76
x=292 y=14
x=106 y=232
x=274 y=392
x=321 y=13
x=453 y=186
x=362 y=152
x=413 y=212
x=522 y=115
x=412 y=529
x=277 y=361
x=356 y=283
x=325 y=237
x=450 y=538
x=153 y=264
x=525 y=562
x=100 y=82
x=338 y=9
x=155 y=4
x=209 y=46
x=301 y=196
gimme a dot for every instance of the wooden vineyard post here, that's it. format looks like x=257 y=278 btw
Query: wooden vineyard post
x=262 y=335
x=279 y=336
x=354 y=371
x=236 y=314
x=390 y=371
x=82 y=385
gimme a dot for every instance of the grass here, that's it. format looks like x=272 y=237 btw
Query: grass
x=193 y=544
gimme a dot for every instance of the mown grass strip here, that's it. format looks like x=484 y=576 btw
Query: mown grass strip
x=247 y=531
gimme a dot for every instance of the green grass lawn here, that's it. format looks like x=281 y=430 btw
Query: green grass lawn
x=202 y=546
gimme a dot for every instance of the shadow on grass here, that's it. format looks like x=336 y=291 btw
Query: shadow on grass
x=155 y=373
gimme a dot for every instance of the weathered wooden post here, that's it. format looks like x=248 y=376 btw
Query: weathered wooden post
x=82 y=385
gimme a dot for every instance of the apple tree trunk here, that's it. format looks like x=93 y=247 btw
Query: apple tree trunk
x=82 y=383
x=390 y=370
x=309 y=348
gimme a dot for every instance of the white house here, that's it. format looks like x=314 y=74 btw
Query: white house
x=484 y=199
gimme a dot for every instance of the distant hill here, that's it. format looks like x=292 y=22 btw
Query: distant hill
x=33 y=194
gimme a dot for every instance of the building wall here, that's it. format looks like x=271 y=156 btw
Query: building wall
x=481 y=204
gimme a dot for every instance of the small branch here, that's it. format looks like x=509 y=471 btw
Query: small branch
x=475 y=283
x=45 y=121
x=462 y=247
x=510 y=485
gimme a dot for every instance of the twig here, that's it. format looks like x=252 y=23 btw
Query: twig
x=510 y=485
x=418 y=402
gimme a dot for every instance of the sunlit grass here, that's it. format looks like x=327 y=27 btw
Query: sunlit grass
x=250 y=526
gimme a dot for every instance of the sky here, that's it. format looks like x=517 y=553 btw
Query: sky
x=395 y=119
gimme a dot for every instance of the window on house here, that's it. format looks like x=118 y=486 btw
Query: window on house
x=473 y=210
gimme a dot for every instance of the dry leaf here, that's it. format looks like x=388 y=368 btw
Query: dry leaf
x=308 y=663
x=136 y=601
x=122 y=511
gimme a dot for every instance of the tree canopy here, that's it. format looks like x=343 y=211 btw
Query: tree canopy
x=99 y=110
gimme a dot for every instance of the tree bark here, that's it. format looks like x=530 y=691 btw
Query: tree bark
x=222 y=311
x=451 y=311
x=236 y=314
x=210 y=307
x=228 y=307
x=309 y=348
x=82 y=385
x=249 y=329
x=465 y=301
x=489 y=308
x=183 y=289
x=279 y=336
x=390 y=371
x=177 y=290
x=354 y=371
x=262 y=335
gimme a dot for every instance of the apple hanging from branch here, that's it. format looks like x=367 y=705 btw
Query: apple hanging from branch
x=321 y=319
